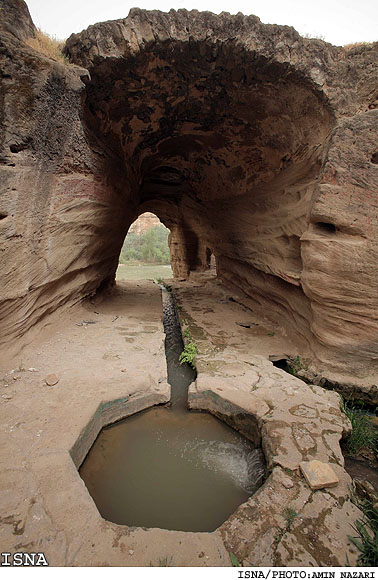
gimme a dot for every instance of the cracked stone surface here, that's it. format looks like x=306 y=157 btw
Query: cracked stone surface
x=45 y=505
x=283 y=192
x=318 y=474
x=295 y=421
x=46 y=431
x=249 y=142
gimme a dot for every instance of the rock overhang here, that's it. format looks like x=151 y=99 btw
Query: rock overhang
x=242 y=161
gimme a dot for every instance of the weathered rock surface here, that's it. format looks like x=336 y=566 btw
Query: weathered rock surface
x=56 y=205
x=285 y=523
x=46 y=432
x=145 y=222
x=248 y=141
x=318 y=474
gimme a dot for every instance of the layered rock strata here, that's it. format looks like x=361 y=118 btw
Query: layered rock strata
x=246 y=140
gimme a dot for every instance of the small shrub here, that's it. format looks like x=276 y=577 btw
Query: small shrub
x=367 y=535
x=48 y=45
x=163 y=562
x=363 y=436
x=311 y=36
x=189 y=354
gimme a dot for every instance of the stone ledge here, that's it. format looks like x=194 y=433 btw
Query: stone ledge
x=295 y=422
x=109 y=412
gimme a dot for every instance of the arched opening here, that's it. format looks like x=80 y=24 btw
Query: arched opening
x=145 y=251
x=225 y=129
x=226 y=151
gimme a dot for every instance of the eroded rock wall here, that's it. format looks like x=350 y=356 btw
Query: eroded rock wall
x=246 y=140
x=145 y=222
x=339 y=248
x=61 y=217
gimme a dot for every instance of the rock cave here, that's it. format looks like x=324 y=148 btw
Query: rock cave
x=251 y=144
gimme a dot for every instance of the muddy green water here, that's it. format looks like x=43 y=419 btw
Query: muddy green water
x=169 y=467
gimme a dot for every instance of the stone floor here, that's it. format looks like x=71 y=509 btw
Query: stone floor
x=298 y=422
x=113 y=351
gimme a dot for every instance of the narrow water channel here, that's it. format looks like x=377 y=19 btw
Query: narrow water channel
x=169 y=467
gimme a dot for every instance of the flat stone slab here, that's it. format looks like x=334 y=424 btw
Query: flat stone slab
x=318 y=474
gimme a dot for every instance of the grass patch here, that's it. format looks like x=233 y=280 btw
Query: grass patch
x=367 y=535
x=166 y=286
x=363 y=436
x=142 y=271
x=289 y=515
x=296 y=364
x=48 y=45
x=234 y=561
x=356 y=44
x=163 y=562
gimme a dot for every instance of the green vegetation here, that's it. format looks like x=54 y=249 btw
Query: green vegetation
x=151 y=247
x=189 y=354
x=166 y=286
x=297 y=364
x=289 y=514
x=367 y=538
x=364 y=435
x=140 y=271
x=234 y=561
x=190 y=351
x=48 y=45
x=165 y=562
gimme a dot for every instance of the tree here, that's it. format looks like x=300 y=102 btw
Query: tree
x=151 y=247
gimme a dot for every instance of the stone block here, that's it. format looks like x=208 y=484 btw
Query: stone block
x=318 y=474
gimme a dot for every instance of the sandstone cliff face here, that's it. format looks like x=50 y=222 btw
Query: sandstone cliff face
x=245 y=139
x=57 y=209
x=145 y=222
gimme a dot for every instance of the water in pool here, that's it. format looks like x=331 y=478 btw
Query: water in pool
x=169 y=467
